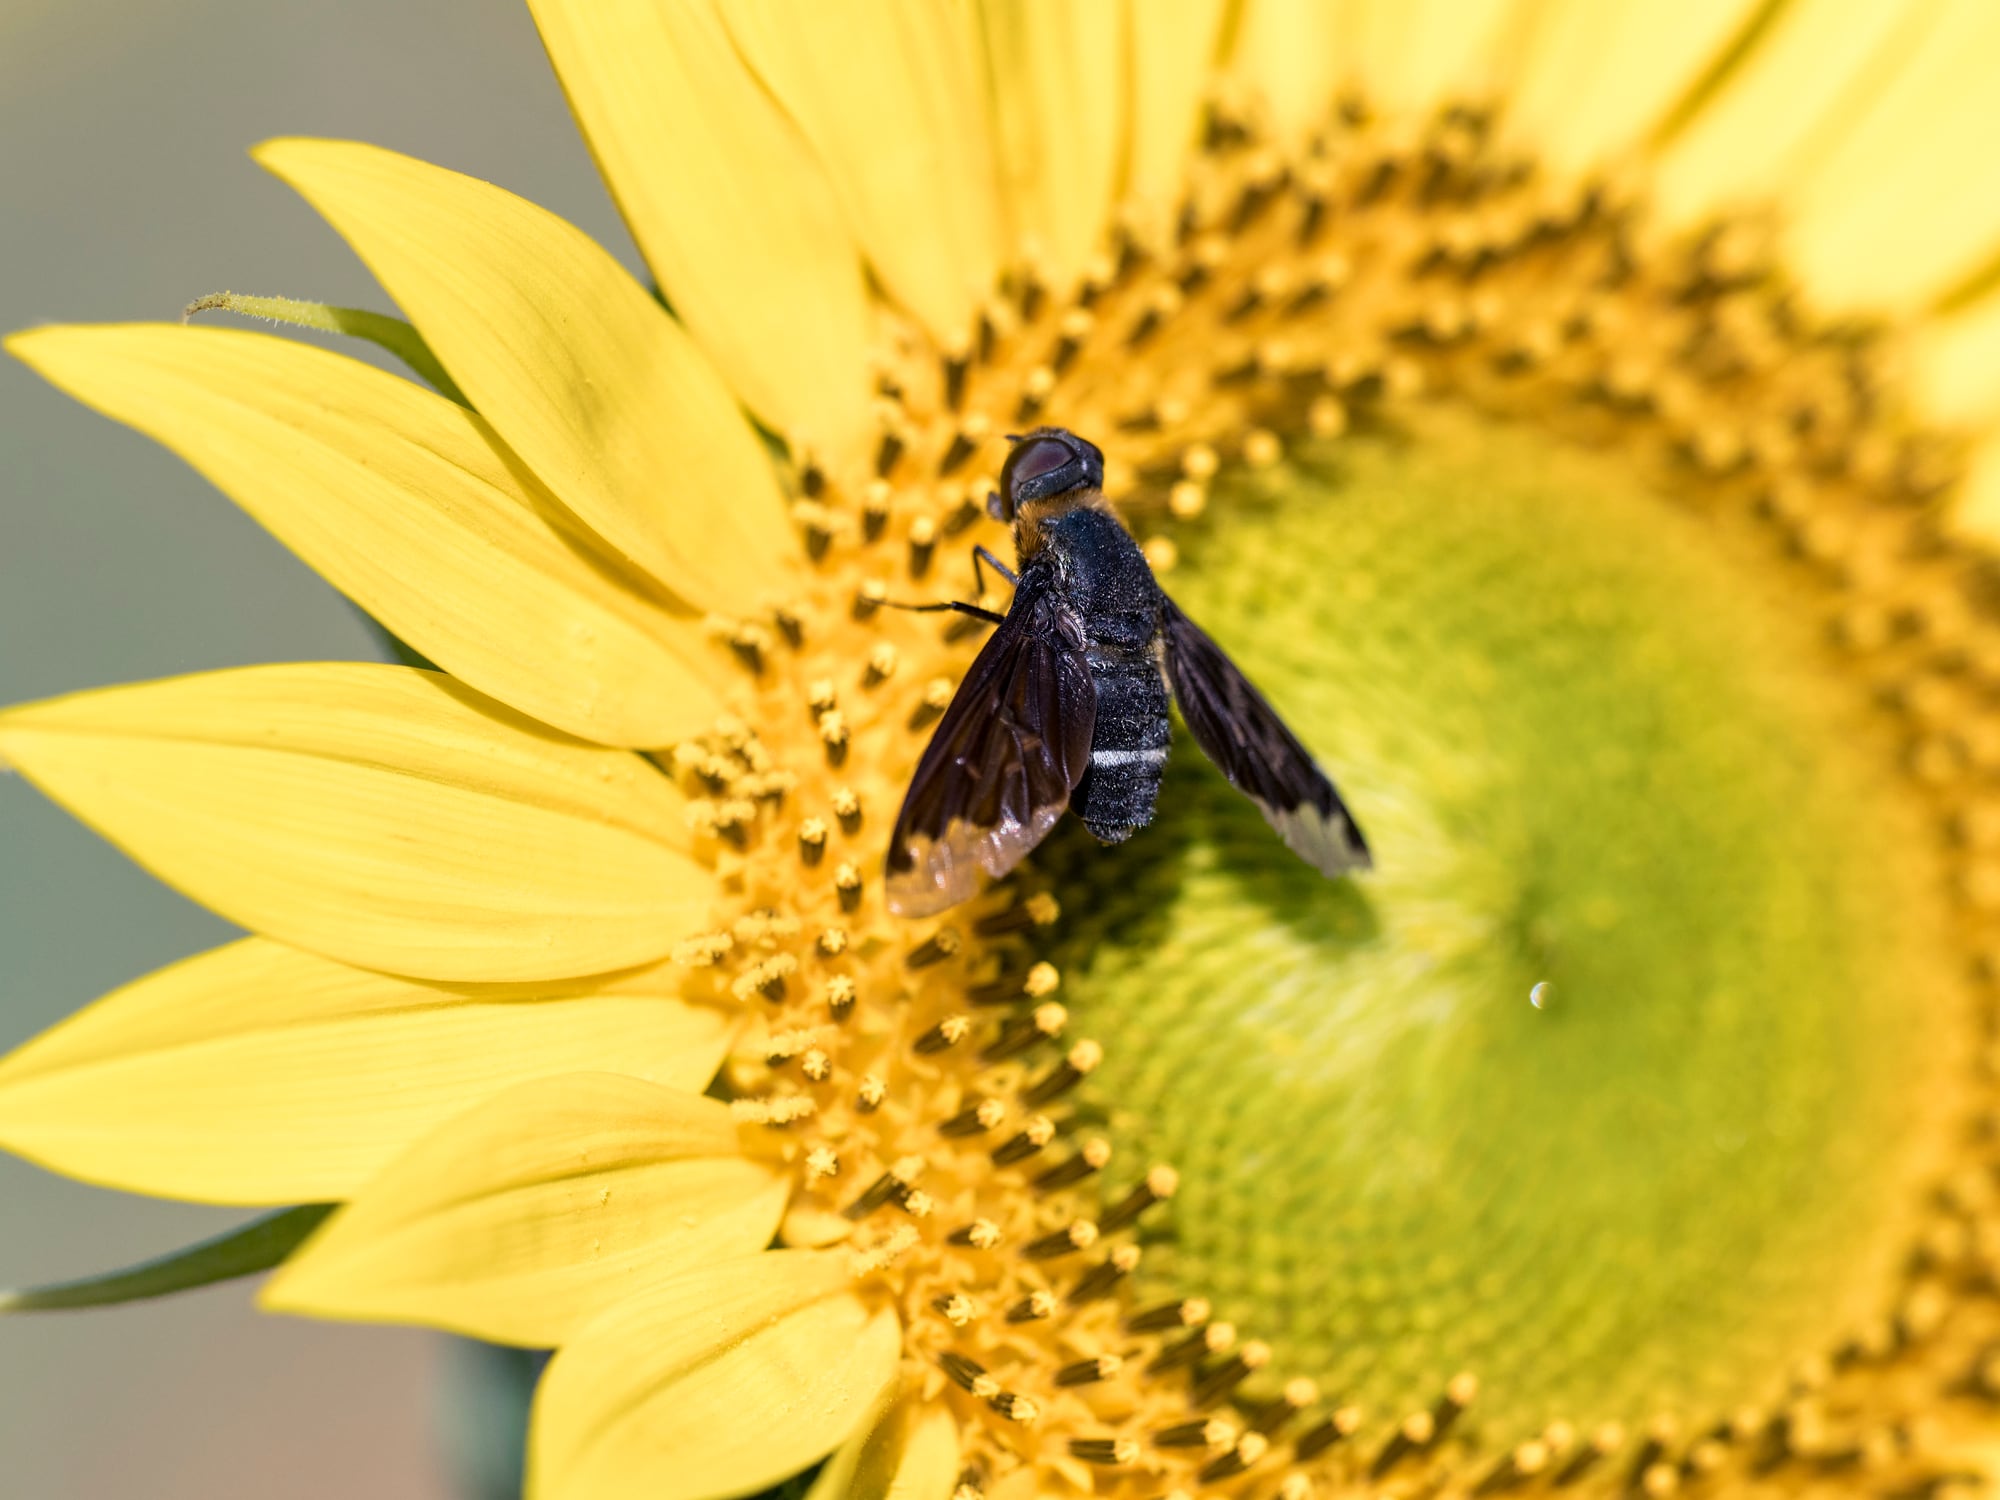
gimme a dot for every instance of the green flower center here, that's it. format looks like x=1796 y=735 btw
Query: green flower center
x=1600 y=742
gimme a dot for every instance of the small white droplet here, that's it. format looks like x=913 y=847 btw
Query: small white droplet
x=1539 y=995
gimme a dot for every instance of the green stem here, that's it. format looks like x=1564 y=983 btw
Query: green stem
x=256 y=1246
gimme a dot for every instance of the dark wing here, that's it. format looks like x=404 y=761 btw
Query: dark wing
x=1244 y=736
x=998 y=773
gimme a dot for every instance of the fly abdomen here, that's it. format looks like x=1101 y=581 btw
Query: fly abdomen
x=1128 y=749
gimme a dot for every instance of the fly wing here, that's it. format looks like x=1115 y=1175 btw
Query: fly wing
x=1000 y=768
x=1247 y=740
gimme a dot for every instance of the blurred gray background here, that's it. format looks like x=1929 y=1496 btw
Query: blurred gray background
x=124 y=193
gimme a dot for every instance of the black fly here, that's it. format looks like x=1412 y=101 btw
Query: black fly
x=1066 y=705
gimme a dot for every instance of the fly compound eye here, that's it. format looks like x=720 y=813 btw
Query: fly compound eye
x=1091 y=457
x=997 y=508
x=1038 y=468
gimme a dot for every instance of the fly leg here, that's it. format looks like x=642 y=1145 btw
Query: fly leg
x=979 y=555
x=958 y=605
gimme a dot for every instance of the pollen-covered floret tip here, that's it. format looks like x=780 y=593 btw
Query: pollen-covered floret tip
x=782 y=1046
x=946 y=1034
x=883 y=659
x=834 y=735
x=940 y=945
x=1016 y=1408
x=894 y=1246
x=1249 y=1448
x=1032 y=1308
x=980 y=1234
x=703 y=949
x=1109 y=1452
x=1189 y=1312
x=1089 y=1371
x=1205 y=1432
x=767 y=977
x=1199 y=462
x=1020 y=1034
x=783 y=1109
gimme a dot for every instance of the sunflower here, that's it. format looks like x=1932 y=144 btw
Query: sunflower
x=1572 y=414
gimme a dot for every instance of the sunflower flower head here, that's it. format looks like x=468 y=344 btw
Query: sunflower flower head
x=1487 y=380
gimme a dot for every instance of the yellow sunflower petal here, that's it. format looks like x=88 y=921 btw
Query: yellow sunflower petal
x=256 y=1073
x=890 y=96
x=1906 y=203
x=1288 y=53
x=910 y=1452
x=582 y=374
x=1174 y=46
x=1594 y=79
x=728 y=206
x=522 y=1219
x=1955 y=364
x=1976 y=507
x=1417 y=54
x=1058 y=99
x=378 y=815
x=721 y=1381
x=1821 y=60
x=406 y=503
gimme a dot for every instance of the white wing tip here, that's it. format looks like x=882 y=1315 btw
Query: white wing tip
x=1323 y=842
